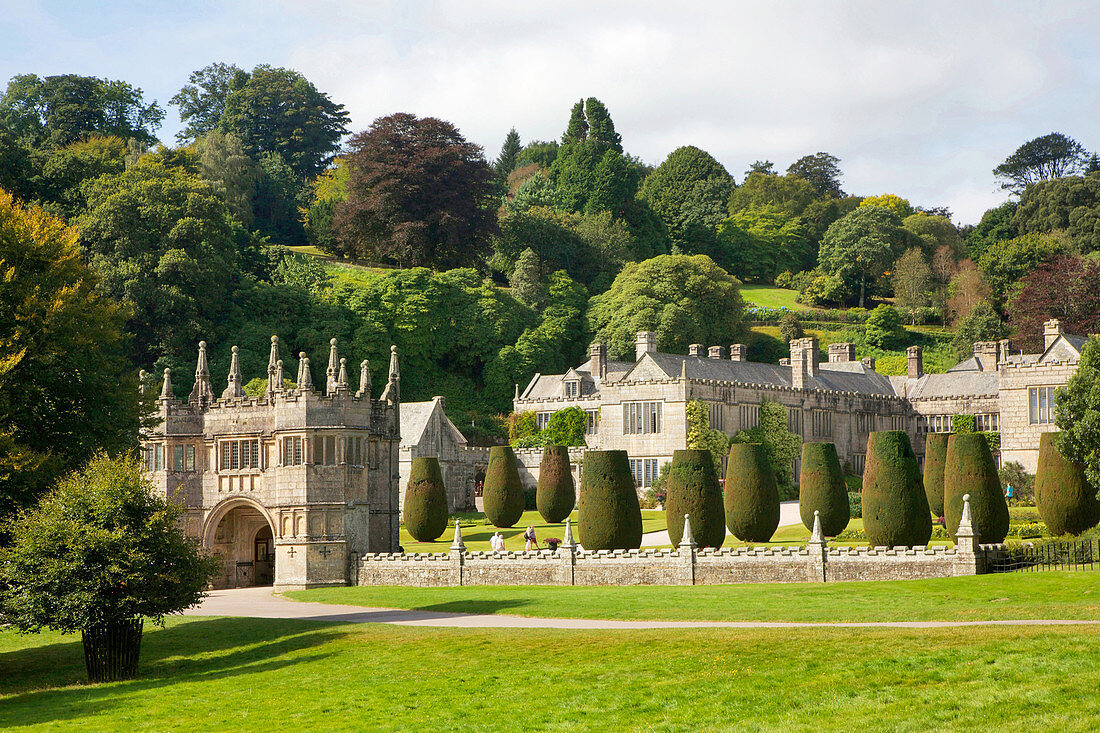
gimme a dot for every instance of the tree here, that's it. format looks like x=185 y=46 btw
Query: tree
x=555 y=495
x=99 y=552
x=996 y=226
x=326 y=192
x=761 y=166
x=227 y=167
x=65 y=170
x=425 y=507
x=1063 y=287
x=821 y=489
x=1050 y=156
x=935 y=460
x=884 y=329
x=1065 y=500
x=933 y=232
x=969 y=469
x=609 y=516
x=1070 y=204
x=966 y=290
x=202 y=99
x=276 y=110
x=893 y=202
x=821 y=171
x=790 y=194
x=912 y=280
x=59 y=110
x=668 y=188
x=758 y=243
x=542 y=153
x=1005 y=264
x=780 y=445
x=418 y=194
x=684 y=299
x=1077 y=413
x=692 y=489
x=750 y=497
x=164 y=245
x=509 y=154
x=66 y=387
x=502 y=492
x=895 y=508
x=861 y=247
x=981 y=324
x=527 y=281
x=275 y=200
x=590 y=171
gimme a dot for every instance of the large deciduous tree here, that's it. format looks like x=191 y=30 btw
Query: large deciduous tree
x=821 y=170
x=202 y=100
x=1077 y=413
x=66 y=387
x=1063 y=287
x=1004 y=264
x=860 y=247
x=684 y=299
x=996 y=225
x=1070 y=204
x=418 y=194
x=1050 y=156
x=912 y=279
x=670 y=187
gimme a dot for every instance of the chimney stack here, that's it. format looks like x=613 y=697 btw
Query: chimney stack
x=1052 y=329
x=715 y=352
x=869 y=362
x=986 y=354
x=695 y=350
x=803 y=361
x=737 y=352
x=842 y=352
x=598 y=351
x=914 y=358
x=647 y=342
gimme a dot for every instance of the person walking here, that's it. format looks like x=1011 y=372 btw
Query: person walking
x=496 y=542
x=532 y=543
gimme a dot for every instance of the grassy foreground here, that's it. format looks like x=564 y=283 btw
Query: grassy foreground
x=1046 y=595
x=260 y=674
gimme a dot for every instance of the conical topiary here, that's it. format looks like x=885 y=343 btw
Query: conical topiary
x=935 y=456
x=895 y=509
x=693 y=490
x=425 y=501
x=555 y=496
x=609 y=516
x=821 y=488
x=751 y=497
x=1066 y=501
x=502 y=491
x=969 y=469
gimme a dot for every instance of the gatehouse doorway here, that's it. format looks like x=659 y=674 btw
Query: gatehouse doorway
x=243 y=539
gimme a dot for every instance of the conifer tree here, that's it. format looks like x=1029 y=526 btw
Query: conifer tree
x=509 y=152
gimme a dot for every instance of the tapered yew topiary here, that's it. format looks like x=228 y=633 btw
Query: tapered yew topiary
x=555 y=496
x=609 y=516
x=969 y=469
x=502 y=491
x=425 y=500
x=1066 y=501
x=693 y=489
x=751 y=497
x=935 y=456
x=821 y=488
x=895 y=509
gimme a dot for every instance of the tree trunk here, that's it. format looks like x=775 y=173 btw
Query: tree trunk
x=111 y=650
x=862 y=283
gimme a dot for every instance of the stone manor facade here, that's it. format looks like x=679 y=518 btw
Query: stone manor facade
x=640 y=407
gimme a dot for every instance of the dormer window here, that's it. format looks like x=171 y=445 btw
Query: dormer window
x=572 y=388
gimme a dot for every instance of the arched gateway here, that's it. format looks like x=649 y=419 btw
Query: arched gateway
x=285 y=488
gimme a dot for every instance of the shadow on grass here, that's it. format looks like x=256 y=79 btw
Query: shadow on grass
x=48 y=683
x=473 y=605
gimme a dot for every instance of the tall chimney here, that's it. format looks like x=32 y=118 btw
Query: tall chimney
x=914 y=359
x=842 y=352
x=695 y=350
x=986 y=354
x=598 y=351
x=737 y=352
x=803 y=361
x=1052 y=329
x=647 y=342
x=715 y=352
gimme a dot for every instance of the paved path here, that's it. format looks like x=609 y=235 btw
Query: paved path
x=788 y=514
x=262 y=603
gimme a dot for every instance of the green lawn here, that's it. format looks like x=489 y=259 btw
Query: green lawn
x=265 y=674
x=476 y=532
x=1045 y=595
x=769 y=296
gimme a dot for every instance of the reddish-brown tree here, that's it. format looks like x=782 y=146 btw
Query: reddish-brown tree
x=1064 y=287
x=418 y=194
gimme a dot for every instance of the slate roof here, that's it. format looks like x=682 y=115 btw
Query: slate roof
x=965 y=382
x=414 y=421
x=548 y=386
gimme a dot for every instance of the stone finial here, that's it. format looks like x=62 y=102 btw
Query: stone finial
x=568 y=542
x=458 y=545
x=364 y=379
x=143 y=377
x=166 y=393
x=816 y=537
x=342 y=375
x=516 y=397
x=233 y=389
x=392 y=393
x=201 y=393
x=305 y=378
x=278 y=375
x=332 y=373
x=965 y=539
x=273 y=382
x=688 y=539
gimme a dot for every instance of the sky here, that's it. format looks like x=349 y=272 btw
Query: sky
x=919 y=99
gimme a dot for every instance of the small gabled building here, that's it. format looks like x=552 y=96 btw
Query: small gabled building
x=427 y=431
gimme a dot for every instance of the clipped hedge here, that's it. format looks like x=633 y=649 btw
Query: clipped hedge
x=751 y=498
x=693 y=489
x=502 y=491
x=425 y=501
x=555 y=496
x=1065 y=500
x=821 y=488
x=935 y=457
x=969 y=469
x=609 y=516
x=895 y=509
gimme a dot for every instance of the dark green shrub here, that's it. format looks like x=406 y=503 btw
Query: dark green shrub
x=530 y=498
x=935 y=456
x=609 y=516
x=1065 y=500
x=693 y=490
x=821 y=488
x=855 y=505
x=751 y=499
x=425 y=501
x=790 y=327
x=502 y=491
x=556 y=495
x=969 y=469
x=895 y=509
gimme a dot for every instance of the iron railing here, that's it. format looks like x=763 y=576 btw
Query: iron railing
x=1048 y=555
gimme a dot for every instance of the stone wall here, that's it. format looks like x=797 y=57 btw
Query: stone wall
x=1019 y=437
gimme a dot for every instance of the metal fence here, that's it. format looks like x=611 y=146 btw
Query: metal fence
x=1048 y=555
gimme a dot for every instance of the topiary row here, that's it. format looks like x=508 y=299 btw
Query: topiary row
x=821 y=489
x=425 y=507
x=1064 y=498
x=969 y=469
x=502 y=491
x=895 y=508
x=693 y=490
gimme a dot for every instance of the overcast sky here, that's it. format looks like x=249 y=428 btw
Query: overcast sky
x=920 y=99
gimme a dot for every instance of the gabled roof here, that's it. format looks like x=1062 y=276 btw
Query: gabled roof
x=415 y=418
x=1063 y=348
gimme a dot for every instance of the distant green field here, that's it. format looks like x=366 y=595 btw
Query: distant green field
x=769 y=296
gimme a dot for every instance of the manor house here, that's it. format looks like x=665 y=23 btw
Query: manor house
x=640 y=406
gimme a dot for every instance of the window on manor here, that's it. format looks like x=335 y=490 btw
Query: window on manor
x=821 y=423
x=542 y=419
x=572 y=388
x=859 y=462
x=183 y=458
x=324 y=450
x=292 y=451
x=644 y=470
x=934 y=424
x=716 y=416
x=641 y=417
x=154 y=457
x=987 y=423
x=353 y=450
x=865 y=423
x=592 y=422
x=1041 y=405
x=748 y=416
x=794 y=420
x=238 y=454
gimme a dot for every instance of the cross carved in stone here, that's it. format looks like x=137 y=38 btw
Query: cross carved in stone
x=324 y=551
x=290 y=552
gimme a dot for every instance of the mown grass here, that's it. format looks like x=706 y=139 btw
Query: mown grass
x=769 y=296
x=1045 y=595
x=264 y=674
